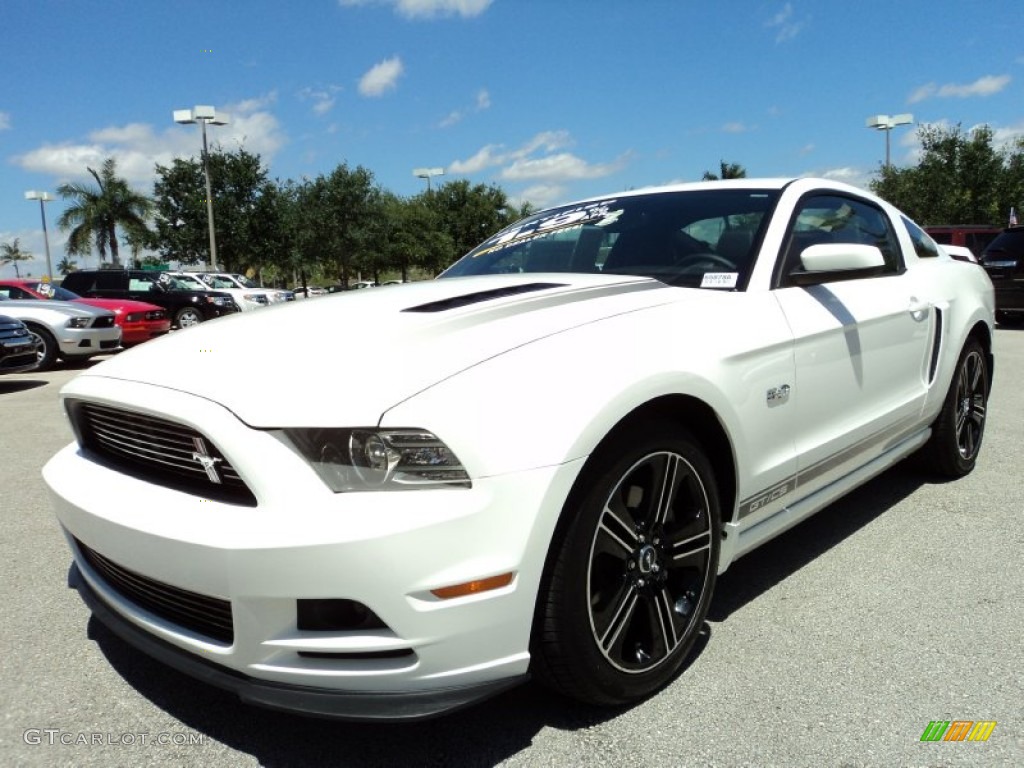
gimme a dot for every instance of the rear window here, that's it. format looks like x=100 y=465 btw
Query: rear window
x=1008 y=243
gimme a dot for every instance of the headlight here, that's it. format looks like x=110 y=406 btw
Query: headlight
x=220 y=301
x=132 y=317
x=378 y=459
x=78 y=322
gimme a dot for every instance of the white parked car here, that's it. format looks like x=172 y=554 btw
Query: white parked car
x=65 y=331
x=543 y=461
x=228 y=280
x=246 y=299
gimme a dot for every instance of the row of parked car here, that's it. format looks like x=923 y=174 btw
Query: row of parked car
x=98 y=311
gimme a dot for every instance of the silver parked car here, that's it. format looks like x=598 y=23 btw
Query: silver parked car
x=67 y=331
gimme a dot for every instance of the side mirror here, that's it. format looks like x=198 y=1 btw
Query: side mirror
x=829 y=262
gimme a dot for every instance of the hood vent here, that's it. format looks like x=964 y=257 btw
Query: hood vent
x=475 y=298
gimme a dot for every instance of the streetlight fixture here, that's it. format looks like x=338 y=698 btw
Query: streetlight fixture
x=43 y=197
x=887 y=123
x=204 y=115
x=427 y=173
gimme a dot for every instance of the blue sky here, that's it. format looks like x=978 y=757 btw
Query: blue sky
x=550 y=99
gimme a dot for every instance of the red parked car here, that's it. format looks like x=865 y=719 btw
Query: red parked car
x=138 y=320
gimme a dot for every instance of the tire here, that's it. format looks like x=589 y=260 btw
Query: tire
x=47 y=355
x=187 y=317
x=957 y=434
x=631 y=571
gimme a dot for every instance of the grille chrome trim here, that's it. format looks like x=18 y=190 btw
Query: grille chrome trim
x=157 y=450
x=210 y=617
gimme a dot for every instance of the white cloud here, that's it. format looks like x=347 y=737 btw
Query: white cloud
x=483 y=101
x=559 y=167
x=323 y=99
x=736 y=127
x=427 y=9
x=538 y=159
x=138 y=147
x=5 y=121
x=784 y=25
x=485 y=157
x=381 y=77
x=983 y=86
x=541 y=195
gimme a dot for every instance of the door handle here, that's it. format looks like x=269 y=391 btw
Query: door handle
x=918 y=309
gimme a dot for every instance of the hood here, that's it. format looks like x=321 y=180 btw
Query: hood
x=344 y=359
x=125 y=305
x=39 y=309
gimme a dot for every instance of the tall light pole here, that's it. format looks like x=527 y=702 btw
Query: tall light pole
x=427 y=173
x=204 y=115
x=887 y=123
x=43 y=197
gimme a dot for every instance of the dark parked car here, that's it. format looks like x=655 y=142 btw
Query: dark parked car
x=18 y=347
x=976 y=237
x=1003 y=259
x=185 y=306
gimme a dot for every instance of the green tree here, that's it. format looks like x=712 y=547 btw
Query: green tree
x=726 y=171
x=66 y=266
x=468 y=215
x=96 y=212
x=408 y=234
x=243 y=210
x=11 y=253
x=333 y=220
x=961 y=178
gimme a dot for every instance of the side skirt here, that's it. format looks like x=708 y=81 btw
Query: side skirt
x=740 y=540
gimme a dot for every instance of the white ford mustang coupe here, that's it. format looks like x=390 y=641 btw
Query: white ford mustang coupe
x=541 y=461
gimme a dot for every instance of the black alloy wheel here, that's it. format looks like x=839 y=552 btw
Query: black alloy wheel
x=626 y=594
x=953 y=448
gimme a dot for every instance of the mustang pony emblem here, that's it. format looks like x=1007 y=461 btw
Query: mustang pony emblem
x=208 y=462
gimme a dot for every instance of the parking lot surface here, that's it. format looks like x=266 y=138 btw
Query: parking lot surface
x=834 y=645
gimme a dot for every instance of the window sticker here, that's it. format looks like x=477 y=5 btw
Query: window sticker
x=599 y=212
x=720 y=280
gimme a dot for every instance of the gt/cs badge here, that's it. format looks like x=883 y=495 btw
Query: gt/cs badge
x=778 y=395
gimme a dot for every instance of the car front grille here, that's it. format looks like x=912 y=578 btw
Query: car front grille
x=159 y=451
x=206 y=616
x=106 y=321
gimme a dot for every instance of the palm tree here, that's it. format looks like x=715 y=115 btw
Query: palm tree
x=11 y=253
x=66 y=266
x=728 y=171
x=96 y=213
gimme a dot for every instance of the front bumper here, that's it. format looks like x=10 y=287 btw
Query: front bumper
x=385 y=550
x=86 y=342
x=339 y=705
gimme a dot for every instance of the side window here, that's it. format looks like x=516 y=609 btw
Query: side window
x=838 y=219
x=141 y=284
x=924 y=246
x=109 y=280
x=18 y=293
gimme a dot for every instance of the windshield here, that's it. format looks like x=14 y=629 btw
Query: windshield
x=184 y=283
x=217 y=281
x=51 y=291
x=244 y=281
x=696 y=238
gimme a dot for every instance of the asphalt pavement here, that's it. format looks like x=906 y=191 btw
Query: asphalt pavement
x=834 y=645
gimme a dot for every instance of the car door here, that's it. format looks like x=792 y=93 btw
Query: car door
x=861 y=346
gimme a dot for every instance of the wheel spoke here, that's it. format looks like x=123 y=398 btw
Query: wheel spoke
x=686 y=548
x=664 y=606
x=612 y=527
x=621 y=617
x=668 y=484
